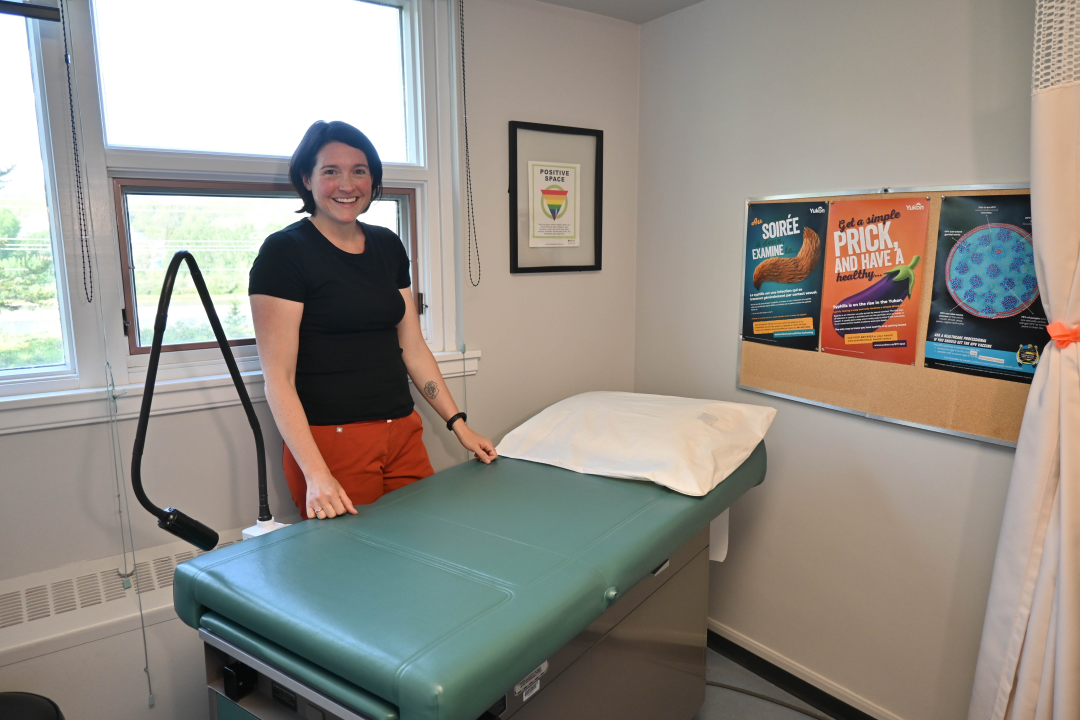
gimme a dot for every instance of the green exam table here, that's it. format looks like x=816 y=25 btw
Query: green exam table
x=506 y=590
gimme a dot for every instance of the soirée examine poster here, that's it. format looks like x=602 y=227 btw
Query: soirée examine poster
x=870 y=298
x=554 y=204
x=782 y=285
x=986 y=317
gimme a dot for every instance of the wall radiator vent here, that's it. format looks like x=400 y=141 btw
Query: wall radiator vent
x=86 y=590
x=163 y=571
x=89 y=590
x=144 y=581
x=10 y=609
x=112 y=583
x=37 y=603
x=63 y=596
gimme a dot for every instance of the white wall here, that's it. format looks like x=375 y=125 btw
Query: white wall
x=543 y=338
x=547 y=336
x=863 y=562
x=59 y=491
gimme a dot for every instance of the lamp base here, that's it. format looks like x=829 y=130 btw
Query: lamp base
x=261 y=527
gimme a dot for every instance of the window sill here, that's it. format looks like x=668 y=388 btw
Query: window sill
x=45 y=411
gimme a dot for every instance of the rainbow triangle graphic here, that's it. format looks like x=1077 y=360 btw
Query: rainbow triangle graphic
x=554 y=200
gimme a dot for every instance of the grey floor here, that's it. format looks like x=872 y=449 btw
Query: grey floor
x=722 y=704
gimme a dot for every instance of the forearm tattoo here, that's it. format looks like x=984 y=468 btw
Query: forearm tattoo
x=431 y=389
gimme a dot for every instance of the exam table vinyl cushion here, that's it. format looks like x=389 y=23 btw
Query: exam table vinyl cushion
x=441 y=595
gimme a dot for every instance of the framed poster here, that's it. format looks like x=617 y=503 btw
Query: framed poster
x=556 y=198
x=783 y=273
x=872 y=291
x=986 y=317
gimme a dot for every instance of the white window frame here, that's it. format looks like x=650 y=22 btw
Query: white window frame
x=52 y=398
x=77 y=319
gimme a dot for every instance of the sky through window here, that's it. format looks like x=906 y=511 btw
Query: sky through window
x=249 y=77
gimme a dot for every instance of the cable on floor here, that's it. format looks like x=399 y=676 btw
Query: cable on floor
x=766 y=698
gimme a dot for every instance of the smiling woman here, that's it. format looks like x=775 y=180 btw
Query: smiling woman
x=339 y=337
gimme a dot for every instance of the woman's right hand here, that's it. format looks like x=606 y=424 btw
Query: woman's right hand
x=326 y=498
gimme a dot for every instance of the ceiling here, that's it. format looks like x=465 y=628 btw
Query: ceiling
x=635 y=11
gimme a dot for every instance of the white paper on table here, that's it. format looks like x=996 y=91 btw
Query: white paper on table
x=718 y=537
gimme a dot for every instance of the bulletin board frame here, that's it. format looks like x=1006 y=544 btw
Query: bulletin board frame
x=914 y=396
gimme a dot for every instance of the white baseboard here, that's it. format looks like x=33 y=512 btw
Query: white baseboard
x=802 y=672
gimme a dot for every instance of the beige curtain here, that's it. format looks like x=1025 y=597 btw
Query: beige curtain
x=1029 y=660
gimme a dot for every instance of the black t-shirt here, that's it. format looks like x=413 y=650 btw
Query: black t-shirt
x=348 y=366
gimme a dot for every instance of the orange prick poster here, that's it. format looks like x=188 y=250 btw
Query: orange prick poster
x=873 y=275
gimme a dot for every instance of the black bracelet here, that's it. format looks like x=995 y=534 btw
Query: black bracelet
x=451 y=421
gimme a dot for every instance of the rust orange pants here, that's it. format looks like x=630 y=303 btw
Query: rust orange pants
x=369 y=459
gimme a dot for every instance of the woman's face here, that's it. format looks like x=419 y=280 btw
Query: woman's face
x=340 y=182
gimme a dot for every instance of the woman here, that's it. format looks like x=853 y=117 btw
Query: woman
x=338 y=335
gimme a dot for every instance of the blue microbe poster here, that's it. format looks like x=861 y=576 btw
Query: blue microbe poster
x=986 y=317
x=784 y=264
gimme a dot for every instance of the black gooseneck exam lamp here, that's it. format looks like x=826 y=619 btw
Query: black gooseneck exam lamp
x=179 y=524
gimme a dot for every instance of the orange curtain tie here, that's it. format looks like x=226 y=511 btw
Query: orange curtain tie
x=1062 y=335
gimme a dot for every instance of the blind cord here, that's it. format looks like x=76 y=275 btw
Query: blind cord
x=88 y=249
x=118 y=473
x=471 y=238
x=80 y=210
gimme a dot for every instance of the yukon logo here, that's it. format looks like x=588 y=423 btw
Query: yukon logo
x=916 y=206
x=757 y=221
x=817 y=210
x=1027 y=355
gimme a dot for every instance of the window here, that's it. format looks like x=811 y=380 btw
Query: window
x=185 y=117
x=32 y=334
x=222 y=225
x=249 y=77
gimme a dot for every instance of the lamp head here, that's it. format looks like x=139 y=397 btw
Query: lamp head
x=188 y=529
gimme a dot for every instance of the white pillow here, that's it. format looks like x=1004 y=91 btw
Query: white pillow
x=684 y=444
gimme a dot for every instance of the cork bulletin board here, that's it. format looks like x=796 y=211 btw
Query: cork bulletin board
x=982 y=408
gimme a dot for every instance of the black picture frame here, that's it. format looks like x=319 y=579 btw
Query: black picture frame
x=555 y=259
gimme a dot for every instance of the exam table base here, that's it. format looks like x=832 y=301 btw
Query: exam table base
x=643 y=659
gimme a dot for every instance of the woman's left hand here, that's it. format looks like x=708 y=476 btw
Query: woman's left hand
x=474 y=442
